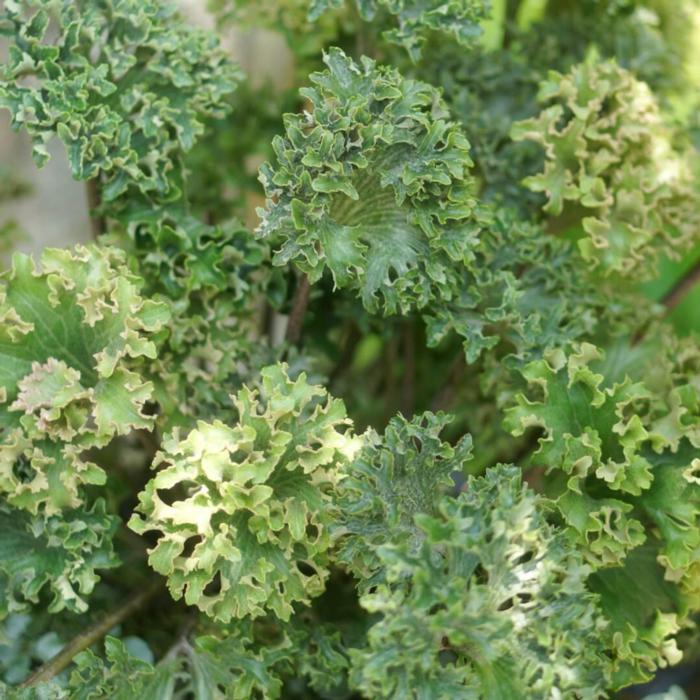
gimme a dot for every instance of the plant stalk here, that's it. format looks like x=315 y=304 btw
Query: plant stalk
x=509 y=21
x=682 y=288
x=446 y=394
x=88 y=637
x=408 y=393
x=300 y=303
x=97 y=223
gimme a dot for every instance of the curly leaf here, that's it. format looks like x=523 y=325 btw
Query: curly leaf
x=232 y=666
x=123 y=84
x=416 y=18
x=212 y=278
x=372 y=185
x=492 y=605
x=120 y=677
x=54 y=555
x=643 y=610
x=248 y=527
x=628 y=450
x=608 y=151
x=527 y=289
x=74 y=331
x=393 y=478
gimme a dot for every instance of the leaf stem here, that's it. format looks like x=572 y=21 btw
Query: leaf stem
x=408 y=393
x=445 y=396
x=300 y=303
x=352 y=339
x=362 y=39
x=509 y=20
x=89 y=636
x=97 y=223
x=682 y=288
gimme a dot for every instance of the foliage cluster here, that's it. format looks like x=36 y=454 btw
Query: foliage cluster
x=411 y=410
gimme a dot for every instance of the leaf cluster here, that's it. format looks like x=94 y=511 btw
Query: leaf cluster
x=370 y=386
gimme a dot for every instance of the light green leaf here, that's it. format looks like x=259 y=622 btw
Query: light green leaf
x=608 y=151
x=245 y=527
x=493 y=604
x=76 y=331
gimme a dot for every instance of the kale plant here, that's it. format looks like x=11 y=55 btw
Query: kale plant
x=382 y=385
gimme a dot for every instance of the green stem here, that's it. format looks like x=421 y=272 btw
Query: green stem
x=682 y=288
x=299 y=306
x=364 y=38
x=509 y=21
x=446 y=394
x=408 y=393
x=88 y=637
x=97 y=223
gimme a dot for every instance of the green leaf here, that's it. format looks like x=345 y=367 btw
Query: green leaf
x=459 y=19
x=405 y=472
x=54 y=555
x=75 y=334
x=374 y=186
x=492 y=605
x=245 y=527
x=122 y=677
x=644 y=611
x=228 y=668
x=212 y=278
x=124 y=85
x=44 y=691
x=608 y=151
x=627 y=450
